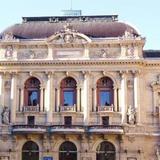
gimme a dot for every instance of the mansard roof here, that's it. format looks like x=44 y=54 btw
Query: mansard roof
x=151 y=53
x=92 y=26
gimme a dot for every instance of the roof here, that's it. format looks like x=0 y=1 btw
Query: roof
x=151 y=53
x=91 y=26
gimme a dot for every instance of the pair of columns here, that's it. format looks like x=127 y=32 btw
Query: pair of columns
x=123 y=96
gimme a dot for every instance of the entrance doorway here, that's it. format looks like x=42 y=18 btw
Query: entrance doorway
x=105 y=151
x=30 y=151
x=68 y=151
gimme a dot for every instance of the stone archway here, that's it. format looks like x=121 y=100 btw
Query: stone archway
x=105 y=151
x=68 y=151
x=30 y=151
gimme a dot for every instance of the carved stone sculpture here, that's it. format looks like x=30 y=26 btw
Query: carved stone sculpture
x=5 y=115
x=9 y=52
x=158 y=153
x=131 y=115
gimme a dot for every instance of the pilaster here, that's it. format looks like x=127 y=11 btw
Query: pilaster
x=123 y=96
x=13 y=97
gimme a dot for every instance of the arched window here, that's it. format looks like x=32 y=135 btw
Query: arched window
x=105 y=151
x=68 y=151
x=30 y=150
x=32 y=92
x=68 y=92
x=105 y=92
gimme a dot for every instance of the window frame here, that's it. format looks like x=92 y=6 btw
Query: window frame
x=103 y=88
x=28 y=87
x=65 y=88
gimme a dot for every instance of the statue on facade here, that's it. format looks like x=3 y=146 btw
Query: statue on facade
x=158 y=153
x=5 y=115
x=131 y=115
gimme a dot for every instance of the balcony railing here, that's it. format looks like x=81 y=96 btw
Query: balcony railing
x=29 y=128
x=67 y=129
x=68 y=108
x=106 y=108
x=112 y=129
x=31 y=108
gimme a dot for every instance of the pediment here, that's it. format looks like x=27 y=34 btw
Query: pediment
x=68 y=35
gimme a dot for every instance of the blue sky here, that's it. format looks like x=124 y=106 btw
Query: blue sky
x=142 y=14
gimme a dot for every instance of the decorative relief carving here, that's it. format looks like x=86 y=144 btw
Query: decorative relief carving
x=105 y=53
x=32 y=54
x=9 y=52
x=130 y=51
x=128 y=35
x=131 y=139
x=131 y=114
x=8 y=37
x=68 y=35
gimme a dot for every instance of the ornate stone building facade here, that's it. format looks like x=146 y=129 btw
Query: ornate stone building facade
x=78 y=88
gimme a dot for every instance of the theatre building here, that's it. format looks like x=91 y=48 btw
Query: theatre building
x=78 y=88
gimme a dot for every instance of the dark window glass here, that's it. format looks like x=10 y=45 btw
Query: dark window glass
x=68 y=120
x=33 y=98
x=31 y=120
x=105 y=121
x=105 y=98
x=68 y=98
x=30 y=151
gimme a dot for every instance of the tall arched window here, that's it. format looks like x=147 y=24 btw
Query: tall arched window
x=68 y=92
x=32 y=92
x=68 y=151
x=105 y=151
x=30 y=151
x=105 y=92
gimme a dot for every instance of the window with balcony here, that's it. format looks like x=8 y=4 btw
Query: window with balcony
x=32 y=93
x=105 y=93
x=68 y=93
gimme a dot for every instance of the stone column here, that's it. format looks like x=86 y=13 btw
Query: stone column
x=48 y=102
x=78 y=98
x=115 y=99
x=123 y=97
x=95 y=98
x=1 y=95
x=137 y=95
x=22 y=99
x=85 y=98
x=58 y=98
x=53 y=93
x=13 y=97
x=41 y=98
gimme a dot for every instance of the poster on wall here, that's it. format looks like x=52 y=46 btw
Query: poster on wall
x=47 y=158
